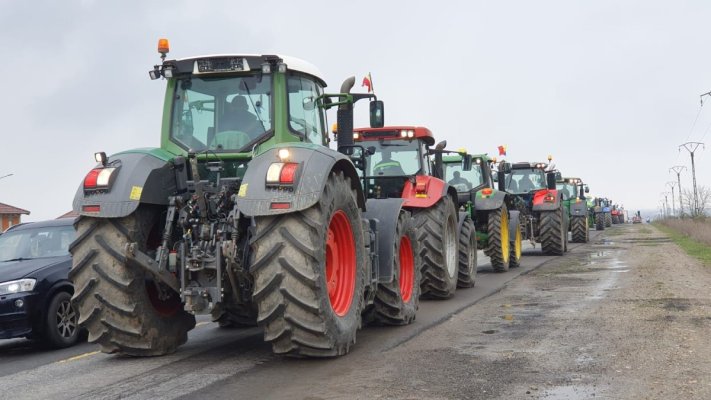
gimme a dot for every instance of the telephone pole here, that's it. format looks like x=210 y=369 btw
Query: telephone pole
x=666 y=204
x=671 y=184
x=691 y=147
x=678 y=169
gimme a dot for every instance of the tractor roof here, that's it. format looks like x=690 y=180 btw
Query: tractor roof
x=253 y=62
x=572 y=180
x=454 y=158
x=529 y=165
x=394 y=133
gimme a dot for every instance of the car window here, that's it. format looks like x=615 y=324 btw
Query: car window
x=39 y=242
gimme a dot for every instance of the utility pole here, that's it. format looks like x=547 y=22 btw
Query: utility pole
x=666 y=203
x=678 y=169
x=671 y=184
x=691 y=147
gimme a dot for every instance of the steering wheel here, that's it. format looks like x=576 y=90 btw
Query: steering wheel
x=230 y=140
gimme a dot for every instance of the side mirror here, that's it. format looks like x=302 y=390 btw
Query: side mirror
x=377 y=114
x=551 y=180
x=501 y=180
x=504 y=167
x=467 y=162
x=441 y=145
x=582 y=193
x=587 y=189
x=558 y=176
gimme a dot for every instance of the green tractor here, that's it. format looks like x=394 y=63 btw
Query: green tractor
x=244 y=213
x=496 y=219
x=575 y=203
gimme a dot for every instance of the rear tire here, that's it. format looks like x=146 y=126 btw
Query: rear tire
x=579 y=229
x=516 y=248
x=396 y=303
x=608 y=220
x=553 y=233
x=498 y=242
x=61 y=323
x=436 y=229
x=309 y=274
x=599 y=221
x=467 y=254
x=119 y=303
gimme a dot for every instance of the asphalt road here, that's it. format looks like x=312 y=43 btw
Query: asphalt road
x=215 y=357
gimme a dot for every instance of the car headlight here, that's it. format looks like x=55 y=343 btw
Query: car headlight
x=19 y=286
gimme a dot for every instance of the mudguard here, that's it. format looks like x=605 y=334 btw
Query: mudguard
x=142 y=177
x=315 y=165
x=578 y=209
x=431 y=190
x=513 y=224
x=540 y=204
x=606 y=209
x=386 y=212
x=492 y=202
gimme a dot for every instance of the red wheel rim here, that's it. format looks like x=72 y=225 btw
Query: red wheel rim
x=165 y=307
x=407 y=269
x=340 y=263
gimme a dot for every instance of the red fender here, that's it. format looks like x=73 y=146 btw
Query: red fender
x=545 y=197
x=423 y=193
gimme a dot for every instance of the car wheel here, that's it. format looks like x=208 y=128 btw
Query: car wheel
x=61 y=329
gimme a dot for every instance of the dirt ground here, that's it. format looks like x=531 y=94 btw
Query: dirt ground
x=626 y=317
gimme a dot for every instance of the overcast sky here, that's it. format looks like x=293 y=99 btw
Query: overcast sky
x=609 y=88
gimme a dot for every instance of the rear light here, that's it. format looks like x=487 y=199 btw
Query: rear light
x=486 y=192
x=99 y=178
x=421 y=185
x=91 y=209
x=280 y=205
x=549 y=198
x=282 y=173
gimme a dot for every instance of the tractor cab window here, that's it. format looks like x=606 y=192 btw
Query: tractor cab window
x=305 y=117
x=394 y=158
x=525 y=180
x=222 y=114
x=567 y=190
x=463 y=181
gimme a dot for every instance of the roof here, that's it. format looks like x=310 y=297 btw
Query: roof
x=8 y=209
x=292 y=63
x=396 y=133
x=70 y=214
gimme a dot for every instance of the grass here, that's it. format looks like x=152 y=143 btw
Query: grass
x=698 y=229
x=690 y=244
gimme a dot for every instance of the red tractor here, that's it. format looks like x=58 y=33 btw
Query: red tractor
x=397 y=166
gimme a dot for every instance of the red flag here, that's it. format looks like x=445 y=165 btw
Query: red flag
x=368 y=82
x=502 y=150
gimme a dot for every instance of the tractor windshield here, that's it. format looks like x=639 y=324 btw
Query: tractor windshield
x=225 y=114
x=525 y=180
x=568 y=190
x=394 y=158
x=463 y=181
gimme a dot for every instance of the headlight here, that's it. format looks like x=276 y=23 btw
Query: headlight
x=19 y=286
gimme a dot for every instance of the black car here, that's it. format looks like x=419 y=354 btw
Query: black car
x=35 y=291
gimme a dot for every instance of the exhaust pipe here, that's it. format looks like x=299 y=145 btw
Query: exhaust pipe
x=344 y=117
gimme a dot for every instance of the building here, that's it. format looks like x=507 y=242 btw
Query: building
x=10 y=216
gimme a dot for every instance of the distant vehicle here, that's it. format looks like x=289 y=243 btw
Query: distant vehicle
x=35 y=291
x=637 y=219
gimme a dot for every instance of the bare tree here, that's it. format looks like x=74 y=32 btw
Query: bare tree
x=704 y=200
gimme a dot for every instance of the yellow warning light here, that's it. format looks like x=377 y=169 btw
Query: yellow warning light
x=550 y=157
x=163 y=46
x=334 y=128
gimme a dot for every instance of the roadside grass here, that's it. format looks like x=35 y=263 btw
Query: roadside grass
x=692 y=246
x=698 y=229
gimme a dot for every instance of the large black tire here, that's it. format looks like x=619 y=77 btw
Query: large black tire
x=292 y=255
x=498 y=243
x=599 y=221
x=608 y=220
x=436 y=229
x=467 y=254
x=579 y=229
x=118 y=303
x=516 y=248
x=61 y=322
x=615 y=220
x=553 y=232
x=396 y=303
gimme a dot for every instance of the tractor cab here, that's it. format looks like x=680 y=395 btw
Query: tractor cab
x=571 y=188
x=396 y=155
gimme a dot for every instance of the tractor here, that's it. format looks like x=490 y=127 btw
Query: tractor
x=575 y=203
x=245 y=214
x=498 y=229
x=543 y=217
x=397 y=166
x=617 y=214
x=603 y=213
